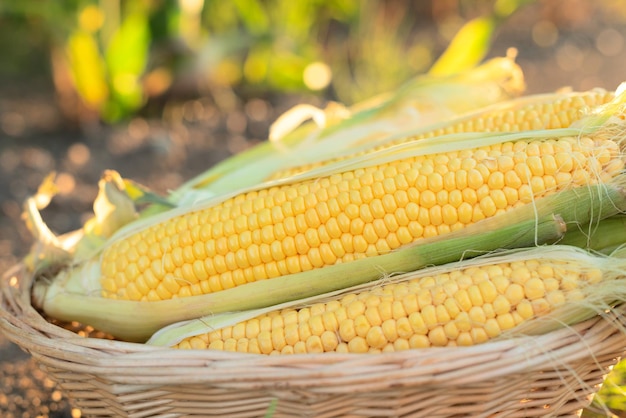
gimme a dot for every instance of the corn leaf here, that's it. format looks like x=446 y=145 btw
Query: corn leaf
x=468 y=47
x=88 y=69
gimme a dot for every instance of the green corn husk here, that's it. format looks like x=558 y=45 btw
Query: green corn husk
x=605 y=236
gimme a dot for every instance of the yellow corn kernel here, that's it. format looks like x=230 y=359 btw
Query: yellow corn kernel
x=492 y=328
x=358 y=345
x=438 y=337
x=464 y=339
x=419 y=341
x=375 y=337
x=314 y=344
x=534 y=288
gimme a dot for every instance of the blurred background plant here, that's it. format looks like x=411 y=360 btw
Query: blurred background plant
x=611 y=399
x=116 y=57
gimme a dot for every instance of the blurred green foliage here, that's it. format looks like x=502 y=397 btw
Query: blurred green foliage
x=611 y=399
x=117 y=54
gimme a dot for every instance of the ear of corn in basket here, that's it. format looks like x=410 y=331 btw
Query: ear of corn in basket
x=518 y=292
x=534 y=112
x=170 y=252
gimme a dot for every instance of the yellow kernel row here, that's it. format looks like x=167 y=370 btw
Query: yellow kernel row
x=462 y=307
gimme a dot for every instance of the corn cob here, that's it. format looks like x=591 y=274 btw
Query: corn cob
x=346 y=216
x=552 y=111
x=460 y=304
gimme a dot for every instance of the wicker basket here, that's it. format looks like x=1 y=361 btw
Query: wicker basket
x=550 y=375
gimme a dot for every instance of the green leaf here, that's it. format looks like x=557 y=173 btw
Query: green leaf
x=87 y=68
x=253 y=15
x=472 y=42
x=140 y=194
x=126 y=58
x=467 y=49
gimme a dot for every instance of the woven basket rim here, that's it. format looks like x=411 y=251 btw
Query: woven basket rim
x=139 y=364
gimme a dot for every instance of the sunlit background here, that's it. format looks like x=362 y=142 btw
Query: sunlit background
x=162 y=89
x=115 y=59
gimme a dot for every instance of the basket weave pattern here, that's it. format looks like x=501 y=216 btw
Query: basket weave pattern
x=550 y=375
